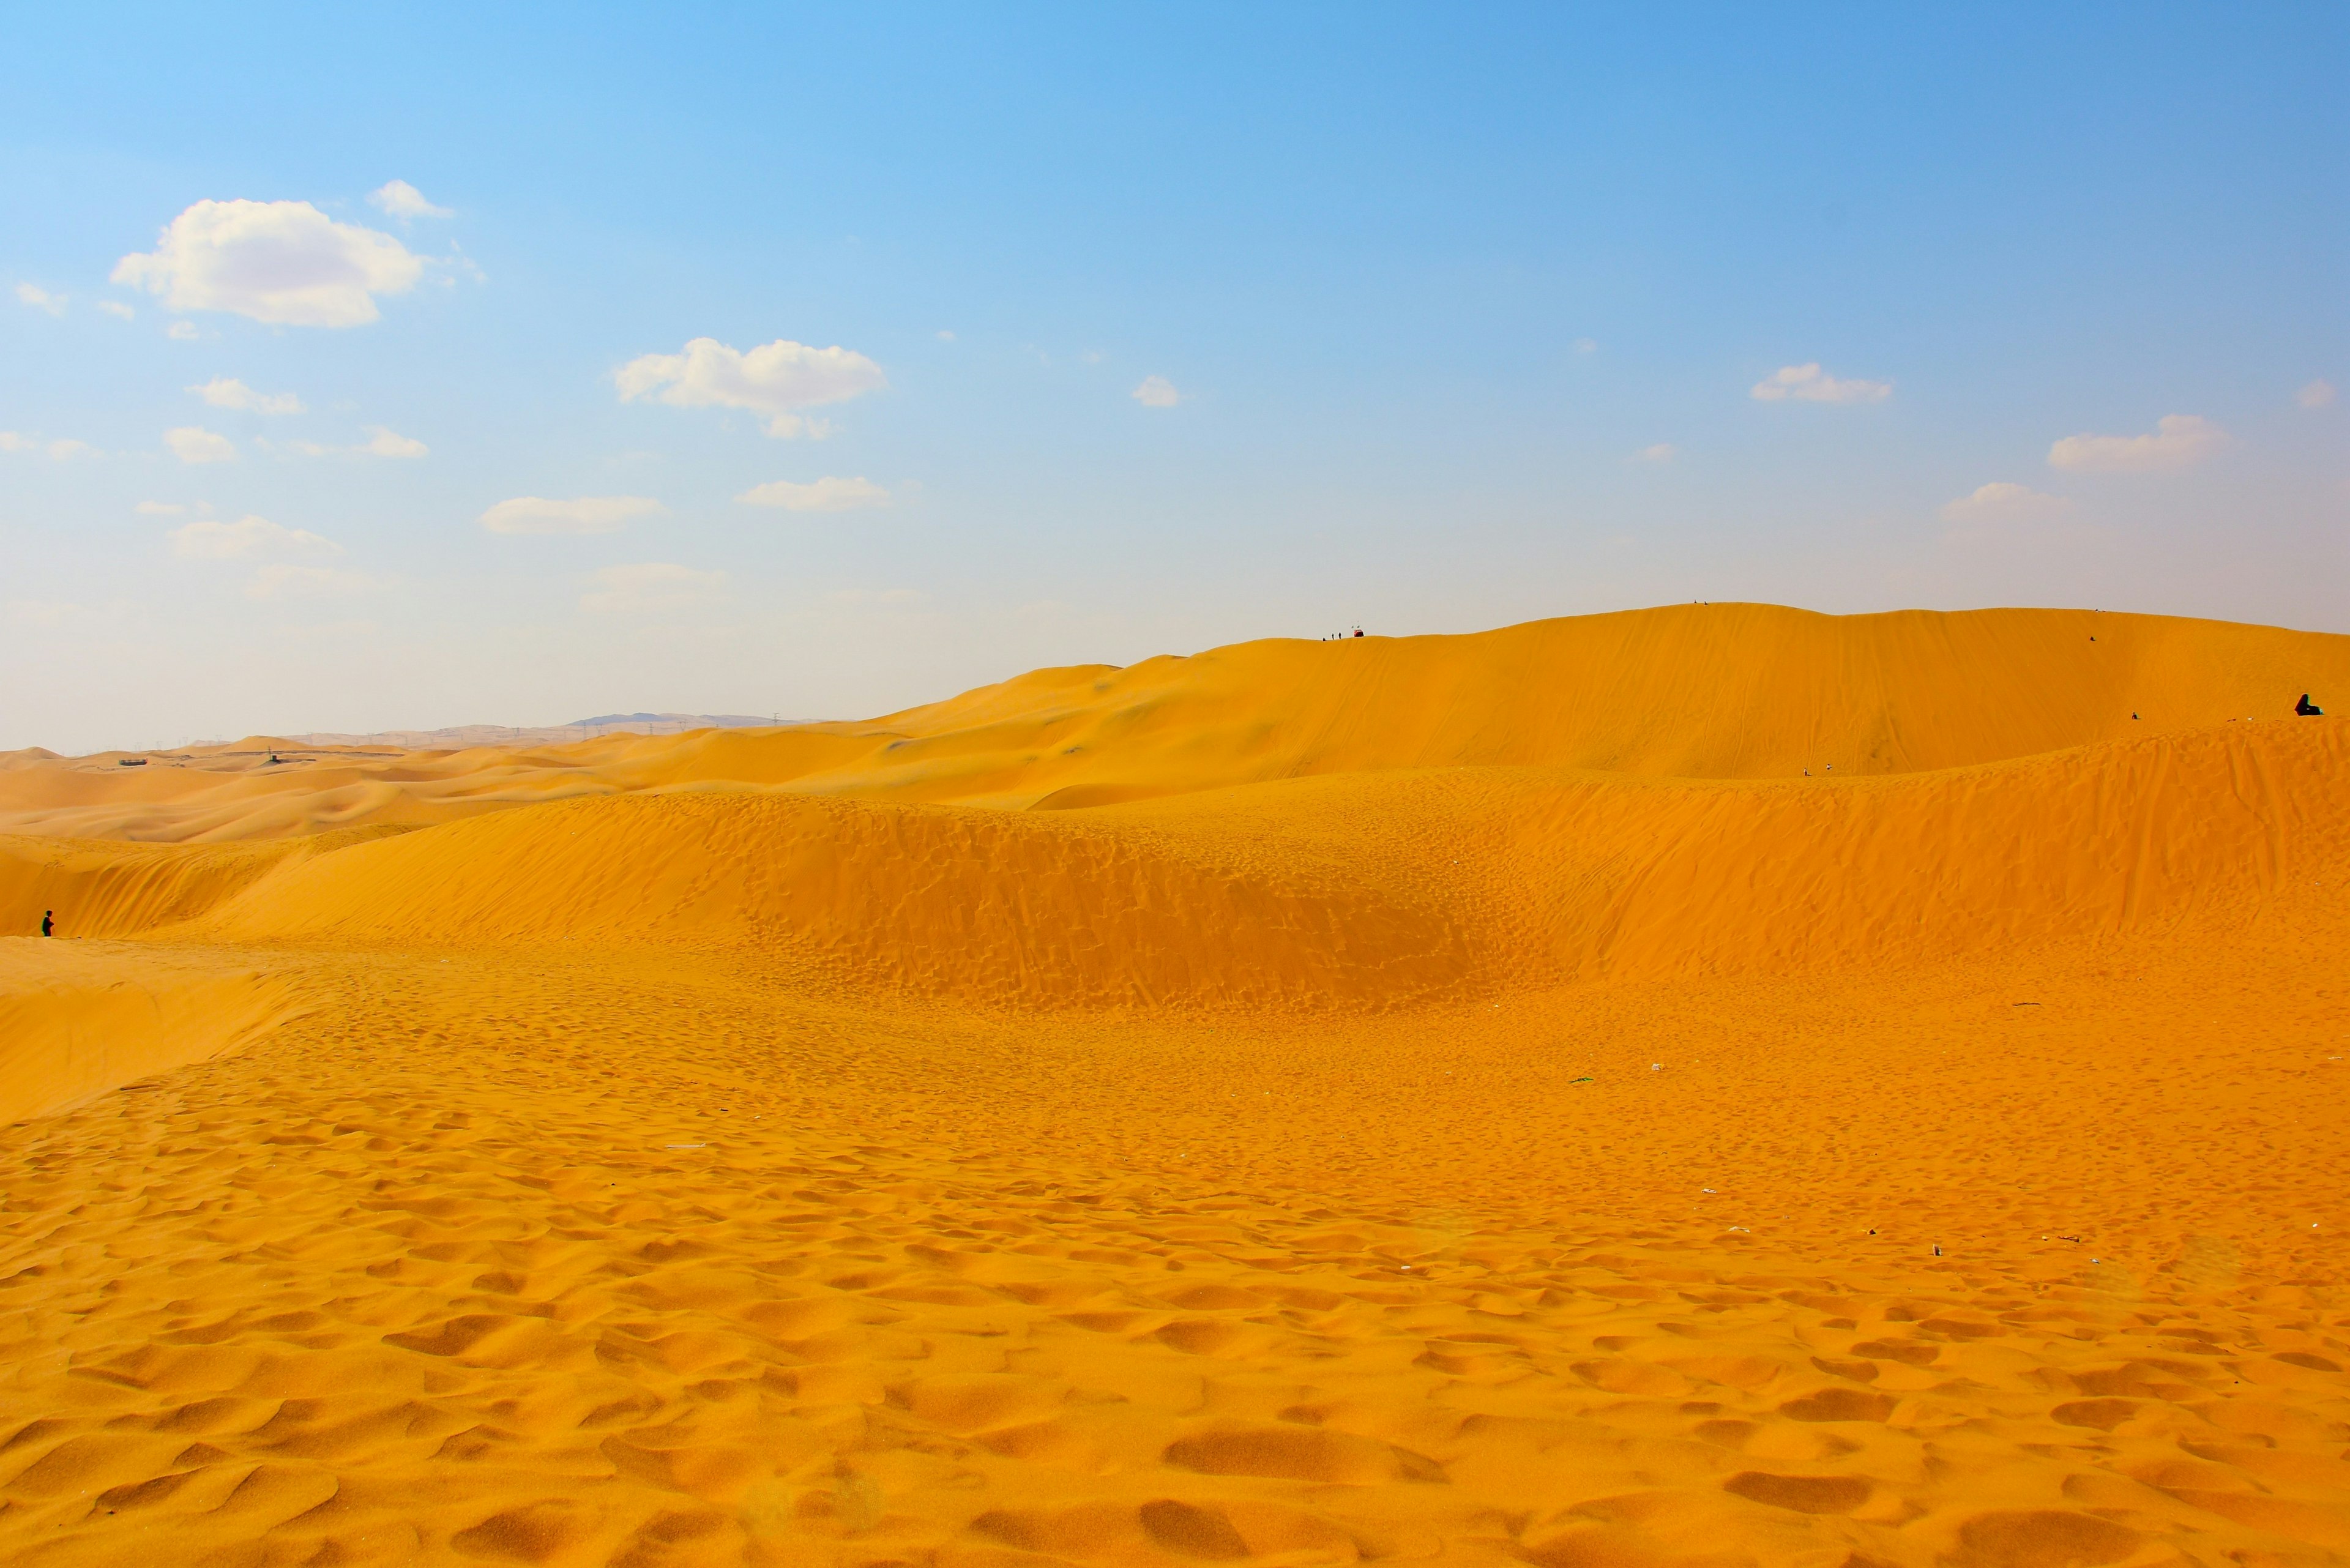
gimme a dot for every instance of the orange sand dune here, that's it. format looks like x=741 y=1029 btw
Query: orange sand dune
x=1379 y=890
x=1688 y=691
x=1454 y=1097
x=76 y=1019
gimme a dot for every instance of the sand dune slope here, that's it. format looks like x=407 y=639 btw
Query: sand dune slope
x=1469 y=1099
x=1366 y=891
x=79 y=1018
x=1685 y=692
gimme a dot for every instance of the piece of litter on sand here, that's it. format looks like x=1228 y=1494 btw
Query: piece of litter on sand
x=1585 y=1080
x=1656 y=1066
x=687 y=1146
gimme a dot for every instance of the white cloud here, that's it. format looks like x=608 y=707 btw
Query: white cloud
x=770 y=380
x=831 y=494
x=584 y=515
x=403 y=201
x=208 y=539
x=1157 y=392
x=280 y=580
x=2180 y=441
x=40 y=299
x=1810 y=384
x=182 y=332
x=1663 y=451
x=385 y=443
x=649 y=585
x=2316 y=395
x=2002 y=502
x=116 y=308
x=192 y=444
x=380 y=443
x=226 y=392
x=285 y=263
x=1586 y=346
x=945 y=336
x=62 y=450
x=159 y=509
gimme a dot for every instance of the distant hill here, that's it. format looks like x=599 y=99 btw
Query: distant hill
x=460 y=736
x=670 y=723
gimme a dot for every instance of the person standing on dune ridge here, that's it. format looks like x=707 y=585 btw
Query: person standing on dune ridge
x=48 y=925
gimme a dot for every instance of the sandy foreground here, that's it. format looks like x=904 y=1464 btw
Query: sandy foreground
x=1470 y=1098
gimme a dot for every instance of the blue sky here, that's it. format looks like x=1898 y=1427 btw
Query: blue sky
x=1439 y=323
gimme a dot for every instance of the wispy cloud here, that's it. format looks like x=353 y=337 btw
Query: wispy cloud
x=2180 y=441
x=403 y=201
x=1810 y=384
x=1663 y=451
x=192 y=444
x=285 y=263
x=2003 y=502
x=831 y=494
x=208 y=539
x=41 y=300
x=1157 y=392
x=581 y=514
x=227 y=392
x=116 y=308
x=383 y=441
x=2316 y=395
x=774 y=380
x=67 y=450
x=380 y=443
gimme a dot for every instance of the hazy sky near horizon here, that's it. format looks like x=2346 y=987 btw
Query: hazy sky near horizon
x=429 y=365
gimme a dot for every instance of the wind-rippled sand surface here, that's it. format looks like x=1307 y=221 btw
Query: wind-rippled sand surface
x=1303 y=1152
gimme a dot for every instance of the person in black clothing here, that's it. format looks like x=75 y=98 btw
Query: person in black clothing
x=2307 y=709
x=48 y=925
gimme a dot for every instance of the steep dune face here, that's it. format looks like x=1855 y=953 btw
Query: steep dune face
x=1360 y=891
x=1698 y=691
x=977 y=905
x=110 y=889
x=104 y=890
x=77 y=1019
x=2130 y=839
